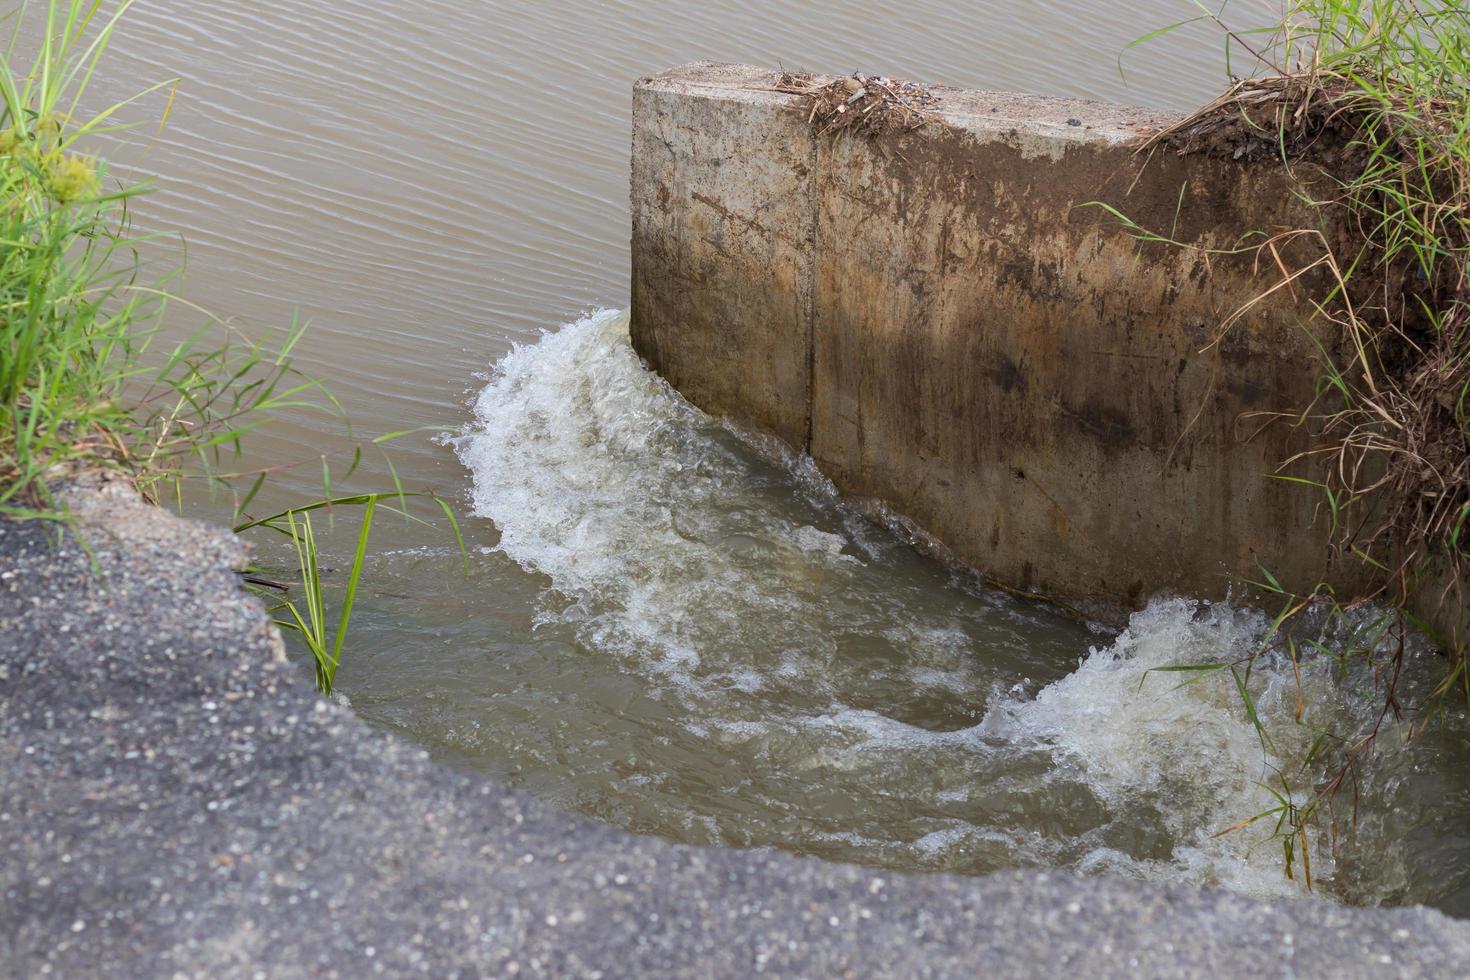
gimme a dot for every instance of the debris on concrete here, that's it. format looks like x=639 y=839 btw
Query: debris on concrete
x=866 y=104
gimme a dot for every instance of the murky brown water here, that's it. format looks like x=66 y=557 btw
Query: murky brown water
x=429 y=182
x=675 y=634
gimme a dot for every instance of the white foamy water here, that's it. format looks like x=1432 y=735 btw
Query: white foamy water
x=805 y=681
x=1177 y=745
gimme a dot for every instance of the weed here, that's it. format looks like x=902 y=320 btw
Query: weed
x=1367 y=104
x=311 y=627
x=88 y=378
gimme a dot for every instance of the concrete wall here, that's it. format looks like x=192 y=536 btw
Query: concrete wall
x=938 y=323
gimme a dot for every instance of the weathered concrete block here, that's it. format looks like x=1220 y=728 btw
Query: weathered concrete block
x=722 y=228
x=944 y=324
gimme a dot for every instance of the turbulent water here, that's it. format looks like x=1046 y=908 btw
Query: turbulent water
x=793 y=675
x=660 y=625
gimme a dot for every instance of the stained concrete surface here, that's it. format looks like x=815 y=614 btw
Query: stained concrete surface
x=176 y=800
x=947 y=323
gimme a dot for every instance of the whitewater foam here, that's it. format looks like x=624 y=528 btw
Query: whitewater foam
x=869 y=700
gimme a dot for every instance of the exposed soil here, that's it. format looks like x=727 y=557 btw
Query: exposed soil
x=1398 y=445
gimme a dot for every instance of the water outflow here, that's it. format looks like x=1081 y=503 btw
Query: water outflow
x=738 y=658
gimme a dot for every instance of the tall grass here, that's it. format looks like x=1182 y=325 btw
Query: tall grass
x=68 y=268
x=1367 y=104
x=85 y=377
x=89 y=378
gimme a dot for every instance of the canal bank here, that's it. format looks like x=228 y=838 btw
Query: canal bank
x=178 y=800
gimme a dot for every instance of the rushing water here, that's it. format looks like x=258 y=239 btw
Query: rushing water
x=727 y=653
x=660 y=625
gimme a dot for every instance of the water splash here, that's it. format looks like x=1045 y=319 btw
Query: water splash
x=805 y=681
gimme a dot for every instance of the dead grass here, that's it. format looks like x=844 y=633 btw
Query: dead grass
x=867 y=105
x=1389 y=175
x=1367 y=104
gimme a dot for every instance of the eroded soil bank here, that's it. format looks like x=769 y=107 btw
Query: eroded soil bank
x=175 y=798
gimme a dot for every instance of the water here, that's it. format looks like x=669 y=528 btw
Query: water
x=727 y=653
x=660 y=625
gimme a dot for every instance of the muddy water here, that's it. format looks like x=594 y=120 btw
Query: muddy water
x=660 y=626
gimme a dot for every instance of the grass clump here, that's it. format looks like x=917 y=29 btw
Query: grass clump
x=69 y=274
x=85 y=378
x=1367 y=104
x=88 y=377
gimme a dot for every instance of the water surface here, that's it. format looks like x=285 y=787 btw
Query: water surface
x=661 y=626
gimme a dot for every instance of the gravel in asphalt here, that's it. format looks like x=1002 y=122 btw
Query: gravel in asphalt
x=176 y=800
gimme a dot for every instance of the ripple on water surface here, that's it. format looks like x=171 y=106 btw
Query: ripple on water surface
x=723 y=653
